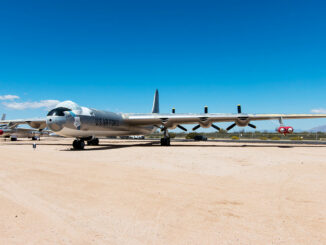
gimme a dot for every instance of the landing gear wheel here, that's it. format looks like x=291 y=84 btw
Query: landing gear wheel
x=34 y=138
x=93 y=142
x=96 y=141
x=165 y=142
x=13 y=139
x=78 y=144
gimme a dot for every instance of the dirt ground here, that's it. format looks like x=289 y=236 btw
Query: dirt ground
x=136 y=192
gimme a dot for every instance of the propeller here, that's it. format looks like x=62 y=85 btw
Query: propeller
x=231 y=126
x=251 y=125
x=234 y=124
x=179 y=126
x=239 y=109
x=198 y=126
x=216 y=127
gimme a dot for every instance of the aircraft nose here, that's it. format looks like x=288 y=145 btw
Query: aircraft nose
x=55 y=123
x=1 y=132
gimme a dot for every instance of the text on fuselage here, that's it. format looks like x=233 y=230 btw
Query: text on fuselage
x=104 y=122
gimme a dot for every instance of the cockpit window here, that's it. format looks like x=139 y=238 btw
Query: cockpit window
x=59 y=111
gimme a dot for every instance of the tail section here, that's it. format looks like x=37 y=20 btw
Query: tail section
x=3 y=117
x=156 y=104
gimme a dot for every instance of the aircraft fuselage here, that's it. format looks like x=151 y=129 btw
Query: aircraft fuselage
x=84 y=122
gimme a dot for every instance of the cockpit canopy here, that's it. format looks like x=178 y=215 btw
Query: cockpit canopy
x=59 y=111
x=70 y=105
x=64 y=106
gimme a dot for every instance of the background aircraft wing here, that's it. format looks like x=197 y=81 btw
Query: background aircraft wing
x=39 y=123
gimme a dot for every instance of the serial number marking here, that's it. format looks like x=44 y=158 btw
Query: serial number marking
x=106 y=122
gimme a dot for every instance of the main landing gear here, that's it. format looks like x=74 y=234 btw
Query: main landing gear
x=93 y=142
x=165 y=141
x=79 y=144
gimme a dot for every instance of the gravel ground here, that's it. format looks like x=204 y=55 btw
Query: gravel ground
x=136 y=192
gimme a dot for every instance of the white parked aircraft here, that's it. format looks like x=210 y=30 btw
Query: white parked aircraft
x=9 y=130
x=85 y=124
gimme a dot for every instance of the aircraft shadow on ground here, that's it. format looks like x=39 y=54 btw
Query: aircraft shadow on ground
x=104 y=146
x=157 y=144
x=109 y=147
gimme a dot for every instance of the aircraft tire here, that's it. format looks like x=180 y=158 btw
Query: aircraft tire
x=82 y=145
x=96 y=141
x=165 y=142
x=78 y=144
x=93 y=142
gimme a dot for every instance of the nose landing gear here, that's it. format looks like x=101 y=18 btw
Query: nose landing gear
x=78 y=144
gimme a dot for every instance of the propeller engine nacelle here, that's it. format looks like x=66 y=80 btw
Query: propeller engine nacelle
x=285 y=130
x=242 y=121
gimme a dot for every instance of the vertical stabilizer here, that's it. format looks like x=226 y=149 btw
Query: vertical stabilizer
x=3 y=117
x=156 y=104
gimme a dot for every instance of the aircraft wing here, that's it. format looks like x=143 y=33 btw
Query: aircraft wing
x=38 y=123
x=169 y=120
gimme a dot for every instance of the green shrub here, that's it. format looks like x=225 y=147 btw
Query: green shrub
x=296 y=138
x=191 y=136
x=235 y=138
x=263 y=138
x=172 y=135
x=275 y=138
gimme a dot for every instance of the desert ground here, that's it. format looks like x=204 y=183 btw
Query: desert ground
x=137 y=192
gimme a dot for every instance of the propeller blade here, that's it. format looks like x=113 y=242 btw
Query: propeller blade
x=206 y=109
x=183 y=128
x=217 y=128
x=251 y=125
x=239 y=109
x=196 y=127
x=231 y=127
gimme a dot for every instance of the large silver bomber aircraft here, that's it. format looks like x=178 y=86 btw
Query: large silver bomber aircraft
x=85 y=124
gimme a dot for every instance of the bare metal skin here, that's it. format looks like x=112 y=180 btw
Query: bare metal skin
x=85 y=124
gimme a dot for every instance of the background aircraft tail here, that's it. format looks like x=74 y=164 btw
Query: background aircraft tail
x=3 y=117
x=156 y=104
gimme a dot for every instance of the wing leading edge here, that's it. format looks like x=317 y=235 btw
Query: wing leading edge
x=170 y=119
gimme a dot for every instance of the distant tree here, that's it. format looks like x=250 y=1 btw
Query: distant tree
x=172 y=135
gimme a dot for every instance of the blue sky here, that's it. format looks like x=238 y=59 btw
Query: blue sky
x=269 y=56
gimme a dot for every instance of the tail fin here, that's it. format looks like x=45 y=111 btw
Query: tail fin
x=156 y=104
x=3 y=117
